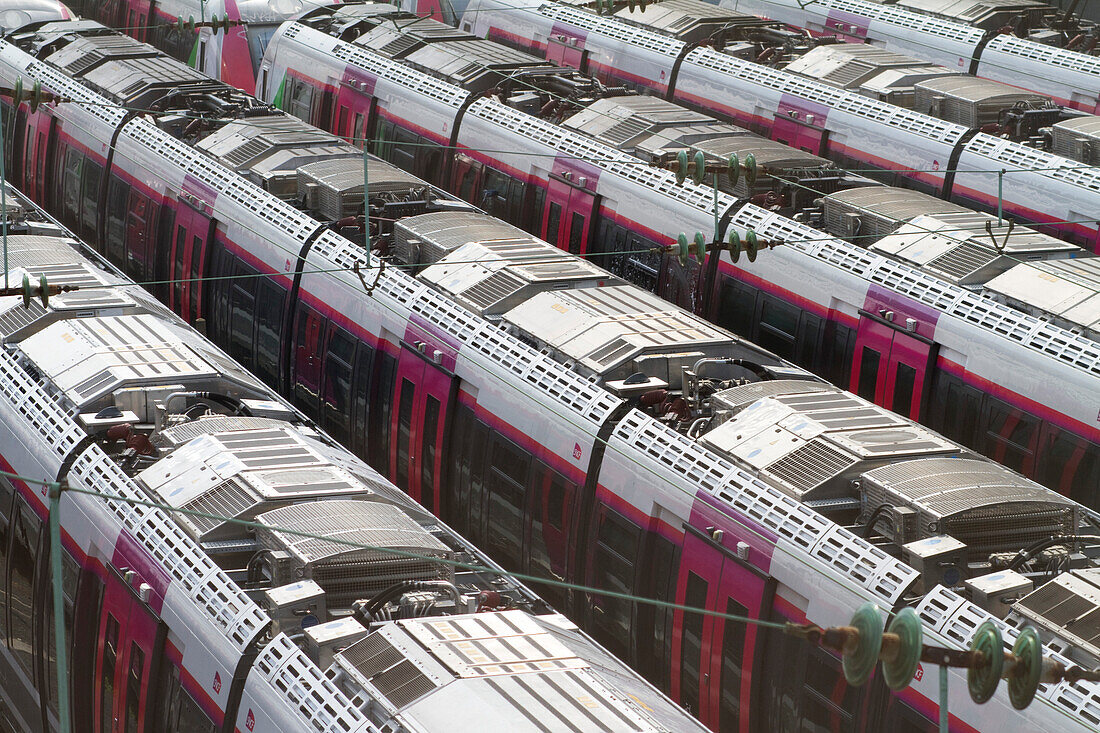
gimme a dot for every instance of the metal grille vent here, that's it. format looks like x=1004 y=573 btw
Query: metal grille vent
x=620 y=132
x=19 y=317
x=237 y=157
x=334 y=559
x=1069 y=606
x=398 y=46
x=190 y=430
x=844 y=75
x=809 y=466
x=386 y=667
x=226 y=500
x=962 y=260
x=737 y=398
x=493 y=289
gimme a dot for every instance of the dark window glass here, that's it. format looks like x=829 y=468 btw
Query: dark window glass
x=778 y=326
x=900 y=718
x=195 y=277
x=364 y=371
x=25 y=528
x=7 y=495
x=458 y=509
x=733 y=653
x=242 y=318
x=259 y=35
x=658 y=582
x=177 y=265
x=904 y=382
x=691 y=643
x=70 y=187
x=1070 y=465
x=381 y=416
x=576 y=234
x=93 y=178
x=868 y=373
x=404 y=429
x=838 y=362
x=427 y=452
x=337 y=390
x=830 y=703
x=269 y=329
x=962 y=409
x=549 y=548
x=507 y=482
x=179 y=713
x=1009 y=435
x=552 y=223
x=737 y=307
x=479 y=476
x=616 y=555
x=135 y=678
x=117 y=200
x=70 y=574
x=107 y=680
x=809 y=338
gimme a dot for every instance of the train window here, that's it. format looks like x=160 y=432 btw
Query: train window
x=506 y=485
x=117 y=200
x=195 y=276
x=242 y=313
x=404 y=148
x=25 y=529
x=179 y=713
x=961 y=409
x=1069 y=464
x=359 y=133
x=342 y=122
x=900 y=718
x=839 y=348
x=404 y=432
x=829 y=702
x=387 y=372
x=70 y=190
x=778 y=326
x=299 y=98
x=135 y=677
x=691 y=642
x=259 y=35
x=659 y=583
x=336 y=412
x=1010 y=435
x=576 y=234
x=733 y=656
x=269 y=329
x=809 y=337
x=107 y=674
x=364 y=370
x=427 y=452
x=553 y=221
x=162 y=251
x=613 y=563
x=138 y=230
x=7 y=496
x=458 y=506
x=905 y=378
x=737 y=306
x=70 y=574
x=868 y=373
x=177 y=265
x=91 y=180
x=549 y=511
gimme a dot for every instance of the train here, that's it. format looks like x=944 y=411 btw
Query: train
x=1068 y=73
x=224 y=38
x=817 y=300
x=577 y=427
x=192 y=600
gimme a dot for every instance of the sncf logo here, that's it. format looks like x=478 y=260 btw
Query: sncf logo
x=217 y=683
x=577 y=451
x=250 y=721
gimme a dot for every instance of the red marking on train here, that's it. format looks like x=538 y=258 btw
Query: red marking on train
x=918 y=676
x=217 y=683
x=577 y=451
x=250 y=721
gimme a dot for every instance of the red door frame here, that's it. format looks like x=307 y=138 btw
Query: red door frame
x=569 y=52
x=137 y=626
x=190 y=224
x=726 y=578
x=896 y=347
x=798 y=135
x=357 y=102
x=573 y=200
x=429 y=380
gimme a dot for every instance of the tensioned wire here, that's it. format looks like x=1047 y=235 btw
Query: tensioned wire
x=352 y=544
x=573 y=419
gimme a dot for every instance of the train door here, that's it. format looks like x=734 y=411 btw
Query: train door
x=193 y=233
x=797 y=134
x=567 y=51
x=423 y=397
x=130 y=640
x=308 y=341
x=891 y=366
x=712 y=655
x=568 y=216
x=355 y=111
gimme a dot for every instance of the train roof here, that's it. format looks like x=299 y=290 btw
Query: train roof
x=217 y=442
